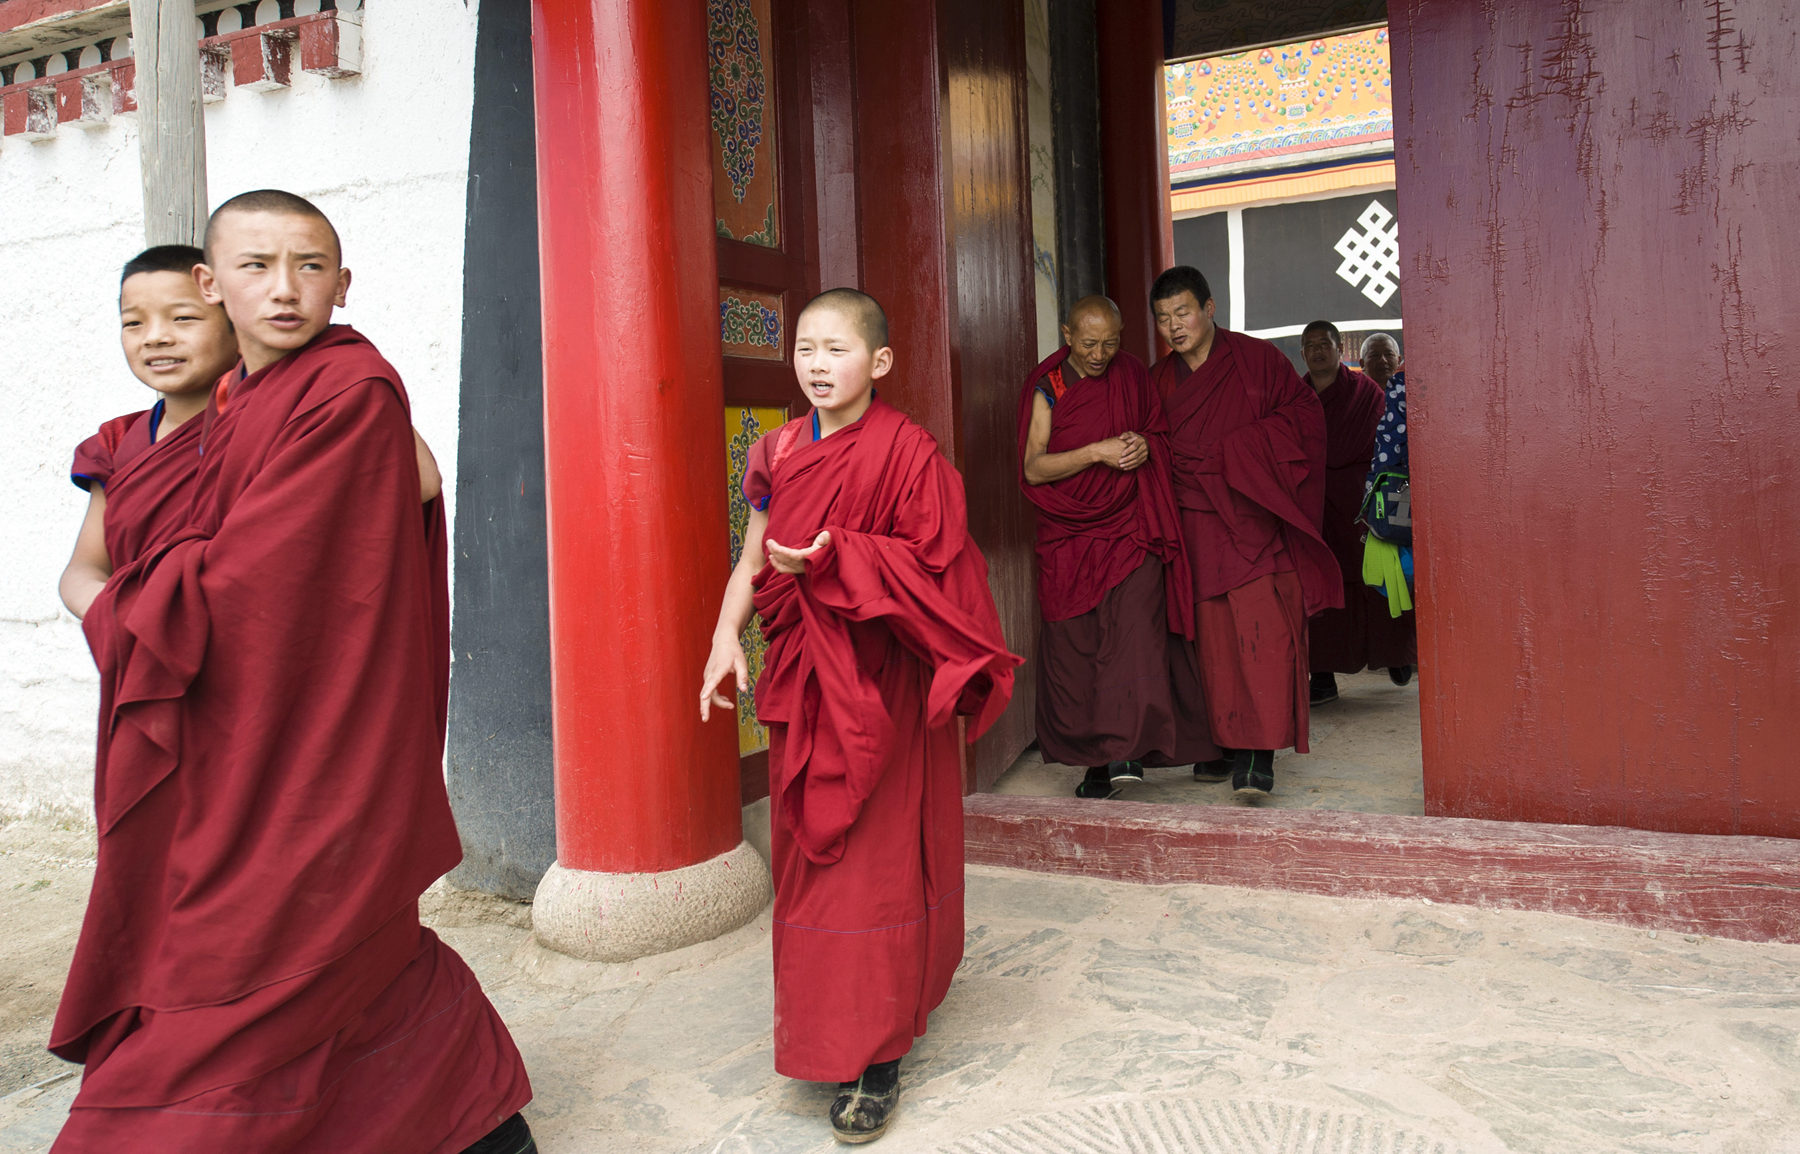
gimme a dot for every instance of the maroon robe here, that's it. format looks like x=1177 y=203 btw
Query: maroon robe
x=889 y=634
x=1361 y=634
x=1247 y=457
x=251 y=973
x=1114 y=684
x=149 y=481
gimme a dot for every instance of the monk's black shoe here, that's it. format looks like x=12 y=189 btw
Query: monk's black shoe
x=1324 y=688
x=1253 y=773
x=1400 y=674
x=1218 y=769
x=512 y=1136
x=1098 y=784
x=864 y=1107
x=1125 y=772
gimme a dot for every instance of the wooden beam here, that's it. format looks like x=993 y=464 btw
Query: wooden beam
x=1733 y=887
x=171 y=124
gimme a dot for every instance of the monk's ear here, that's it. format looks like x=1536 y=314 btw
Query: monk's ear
x=1212 y=306
x=343 y=287
x=209 y=285
x=1068 y=337
x=884 y=360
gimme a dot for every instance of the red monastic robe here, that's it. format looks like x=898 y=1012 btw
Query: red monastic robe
x=1361 y=634
x=1114 y=683
x=251 y=973
x=889 y=634
x=148 y=482
x=1247 y=456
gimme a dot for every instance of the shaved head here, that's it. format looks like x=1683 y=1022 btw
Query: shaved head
x=1379 y=338
x=1096 y=306
x=269 y=200
x=863 y=311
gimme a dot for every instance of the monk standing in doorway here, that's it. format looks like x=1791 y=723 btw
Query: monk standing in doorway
x=1359 y=635
x=1247 y=457
x=1116 y=689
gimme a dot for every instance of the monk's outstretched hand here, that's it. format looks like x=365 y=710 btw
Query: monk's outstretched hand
x=727 y=657
x=793 y=561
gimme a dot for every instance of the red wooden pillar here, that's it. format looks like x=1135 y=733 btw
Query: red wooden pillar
x=634 y=456
x=1134 y=163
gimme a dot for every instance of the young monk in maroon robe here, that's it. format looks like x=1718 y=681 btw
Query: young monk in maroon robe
x=251 y=972
x=138 y=469
x=1247 y=455
x=1116 y=689
x=881 y=630
x=1359 y=635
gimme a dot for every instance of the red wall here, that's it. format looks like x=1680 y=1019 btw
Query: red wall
x=1598 y=235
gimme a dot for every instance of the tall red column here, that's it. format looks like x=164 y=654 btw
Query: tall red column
x=634 y=455
x=1134 y=163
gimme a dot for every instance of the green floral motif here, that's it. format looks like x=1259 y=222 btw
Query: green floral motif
x=751 y=735
x=767 y=236
x=749 y=322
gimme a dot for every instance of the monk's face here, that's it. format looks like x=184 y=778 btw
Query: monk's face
x=1321 y=353
x=1093 y=341
x=1184 y=323
x=174 y=341
x=1381 y=360
x=277 y=274
x=833 y=362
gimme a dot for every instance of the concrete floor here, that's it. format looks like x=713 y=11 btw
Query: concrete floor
x=1364 y=759
x=1101 y=1016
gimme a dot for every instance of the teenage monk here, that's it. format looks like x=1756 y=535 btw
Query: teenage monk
x=251 y=973
x=1247 y=455
x=881 y=630
x=1116 y=690
x=138 y=469
x=1359 y=635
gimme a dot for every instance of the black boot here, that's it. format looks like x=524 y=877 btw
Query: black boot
x=865 y=1107
x=1253 y=773
x=512 y=1136
x=1324 y=688
x=1097 y=784
x=1400 y=674
x=1218 y=769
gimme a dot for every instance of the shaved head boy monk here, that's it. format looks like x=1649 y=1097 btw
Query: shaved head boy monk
x=251 y=973
x=1247 y=455
x=1116 y=690
x=881 y=630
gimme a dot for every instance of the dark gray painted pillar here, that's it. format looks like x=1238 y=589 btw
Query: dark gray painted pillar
x=499 y=743
x=1075 y=123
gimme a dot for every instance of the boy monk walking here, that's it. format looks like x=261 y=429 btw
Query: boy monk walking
x=881 y=629
x=251 y=973
x=1117 y=688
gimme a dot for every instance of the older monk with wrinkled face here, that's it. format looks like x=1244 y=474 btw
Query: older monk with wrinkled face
x=1092 y=459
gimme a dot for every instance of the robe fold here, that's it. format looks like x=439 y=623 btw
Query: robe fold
x=1247 y=458
x=1361 y=634
x=1113 y=582
x=251 y=973
x=148 y=480
x=889 y=634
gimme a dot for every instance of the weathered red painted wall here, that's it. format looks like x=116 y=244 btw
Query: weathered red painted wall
x=1598 y=236
x=1134 y=164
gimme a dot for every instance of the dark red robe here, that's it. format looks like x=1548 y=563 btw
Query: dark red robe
x=251 y=972
x=1361 y=634
x=149 y=481
x=873 y=652
x=1114 y=683
x=1247 y=457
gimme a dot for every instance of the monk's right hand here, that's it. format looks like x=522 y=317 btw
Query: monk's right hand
x=1137 y=451
x=727 y=657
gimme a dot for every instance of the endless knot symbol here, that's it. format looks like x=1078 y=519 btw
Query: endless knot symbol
x=1373 y=253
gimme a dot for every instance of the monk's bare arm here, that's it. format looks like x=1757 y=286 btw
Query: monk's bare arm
x=1043 y=466
x=89 y=566
x=727 y=656
x=431 y=481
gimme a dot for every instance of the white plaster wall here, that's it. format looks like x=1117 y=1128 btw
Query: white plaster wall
x=385 y=155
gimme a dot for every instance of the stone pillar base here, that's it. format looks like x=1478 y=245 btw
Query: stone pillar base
x=615 y=917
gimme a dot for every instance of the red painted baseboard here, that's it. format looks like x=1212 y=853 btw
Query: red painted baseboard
x=1732 y=887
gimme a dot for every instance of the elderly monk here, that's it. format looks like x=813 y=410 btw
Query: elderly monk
x=1116 y=689
x=1247 y=458
x=1361 y=634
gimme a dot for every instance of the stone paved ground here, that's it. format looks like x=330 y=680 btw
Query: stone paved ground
x=1097 y=1016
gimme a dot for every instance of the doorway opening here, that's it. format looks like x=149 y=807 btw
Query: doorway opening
x=1282 y=192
